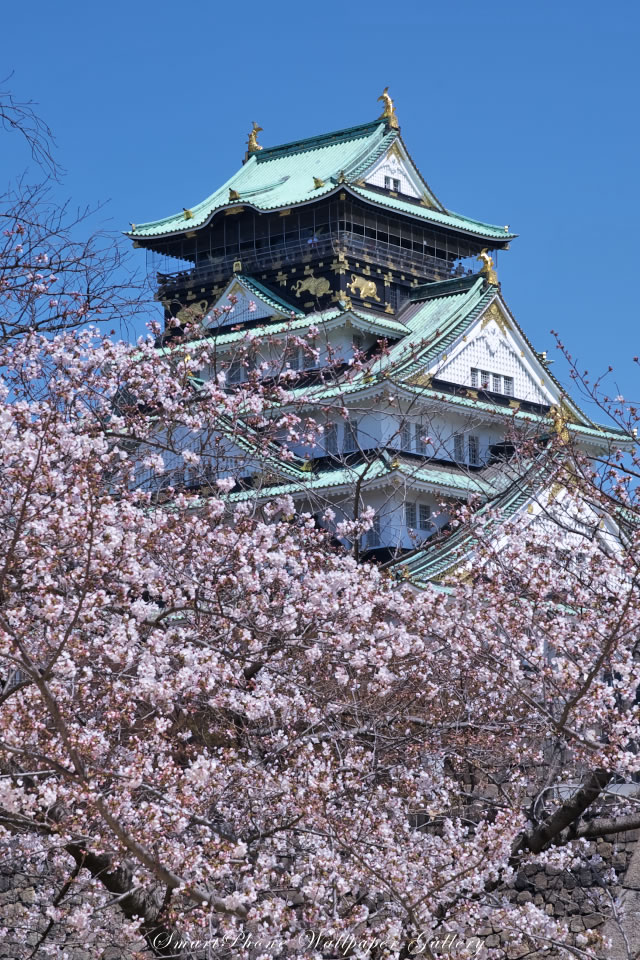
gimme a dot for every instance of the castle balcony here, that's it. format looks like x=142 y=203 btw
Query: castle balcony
x=254 y=258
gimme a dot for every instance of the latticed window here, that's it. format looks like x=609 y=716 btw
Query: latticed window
x=350 y=436
x=292 y=356
x=236 y=372
x=474 y=449
x=496 y=382
x=357 y=341
x=387 y=183
x=331 y=438
x=309 y=358
x=373 y=534
x=410 y=516
x=396 y=185
x=458 y=447
x=421 y=446
x=405 y=435
x=424 y=514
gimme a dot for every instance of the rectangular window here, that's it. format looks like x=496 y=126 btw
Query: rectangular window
x=425 y=516
x=508 y=386
x=484 y=379
x=292 y=356
x=309 y=359
x=357 y=341
x=474 y=450
x=387 y=183
x=350 y=436
x=405 y=435
x=458 y=448
x=475 y=377
x=396 y=185
x=373 y=535
x=331 y=438
x=421 y=446
x=235 y=372
x=410 y=516
x=178 y=477
x=496 y=383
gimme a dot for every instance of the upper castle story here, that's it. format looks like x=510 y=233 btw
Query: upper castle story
x=344 y=217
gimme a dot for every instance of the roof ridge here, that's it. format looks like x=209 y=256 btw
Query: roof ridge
x=320 y=140
x=442 y=288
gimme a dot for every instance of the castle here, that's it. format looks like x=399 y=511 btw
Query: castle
x=393 y=329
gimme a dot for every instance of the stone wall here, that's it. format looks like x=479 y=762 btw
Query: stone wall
x=580 y=898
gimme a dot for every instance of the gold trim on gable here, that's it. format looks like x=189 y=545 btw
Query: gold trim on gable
x=493 y=312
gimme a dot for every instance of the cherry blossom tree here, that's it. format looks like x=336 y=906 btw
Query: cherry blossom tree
x=221 y=735
x=223 y=724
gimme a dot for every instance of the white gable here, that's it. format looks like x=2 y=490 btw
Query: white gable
x=248 y=306
x=492 y=345
x=396 y=166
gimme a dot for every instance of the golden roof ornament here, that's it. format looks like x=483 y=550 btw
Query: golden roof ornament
x=389 y=112
x=488 y=268
x=253 y=145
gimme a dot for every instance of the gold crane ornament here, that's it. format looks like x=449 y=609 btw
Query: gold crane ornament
x=253 y=145
x=389 y=112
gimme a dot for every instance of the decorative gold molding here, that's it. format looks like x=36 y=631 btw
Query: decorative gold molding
x=252 y=144
x=389 y=111
x=494 y=312
x=192 y=312
x=421 y=380
x=233 y=194
x=559 y=420
x=488 y=269
x=341 y=265
x=556 y=489
x=316 y=286
x=363 y=288
x=317 y=183
x=188 y=214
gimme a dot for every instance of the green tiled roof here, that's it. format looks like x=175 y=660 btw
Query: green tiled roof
x=435 y=562
x=437 y=323
x=223 y=336
x=451 y=479
x=283 y=176
x=447 y=218
x=280 y=176
x=268 y=296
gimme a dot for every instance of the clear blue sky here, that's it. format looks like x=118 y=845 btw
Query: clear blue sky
x=518 y=113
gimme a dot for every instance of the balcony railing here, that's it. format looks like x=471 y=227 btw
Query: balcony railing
x=278 y=255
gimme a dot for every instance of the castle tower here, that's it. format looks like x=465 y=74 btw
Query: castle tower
x=341 y=233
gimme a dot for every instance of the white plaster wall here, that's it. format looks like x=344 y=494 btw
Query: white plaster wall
x=490 y=350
